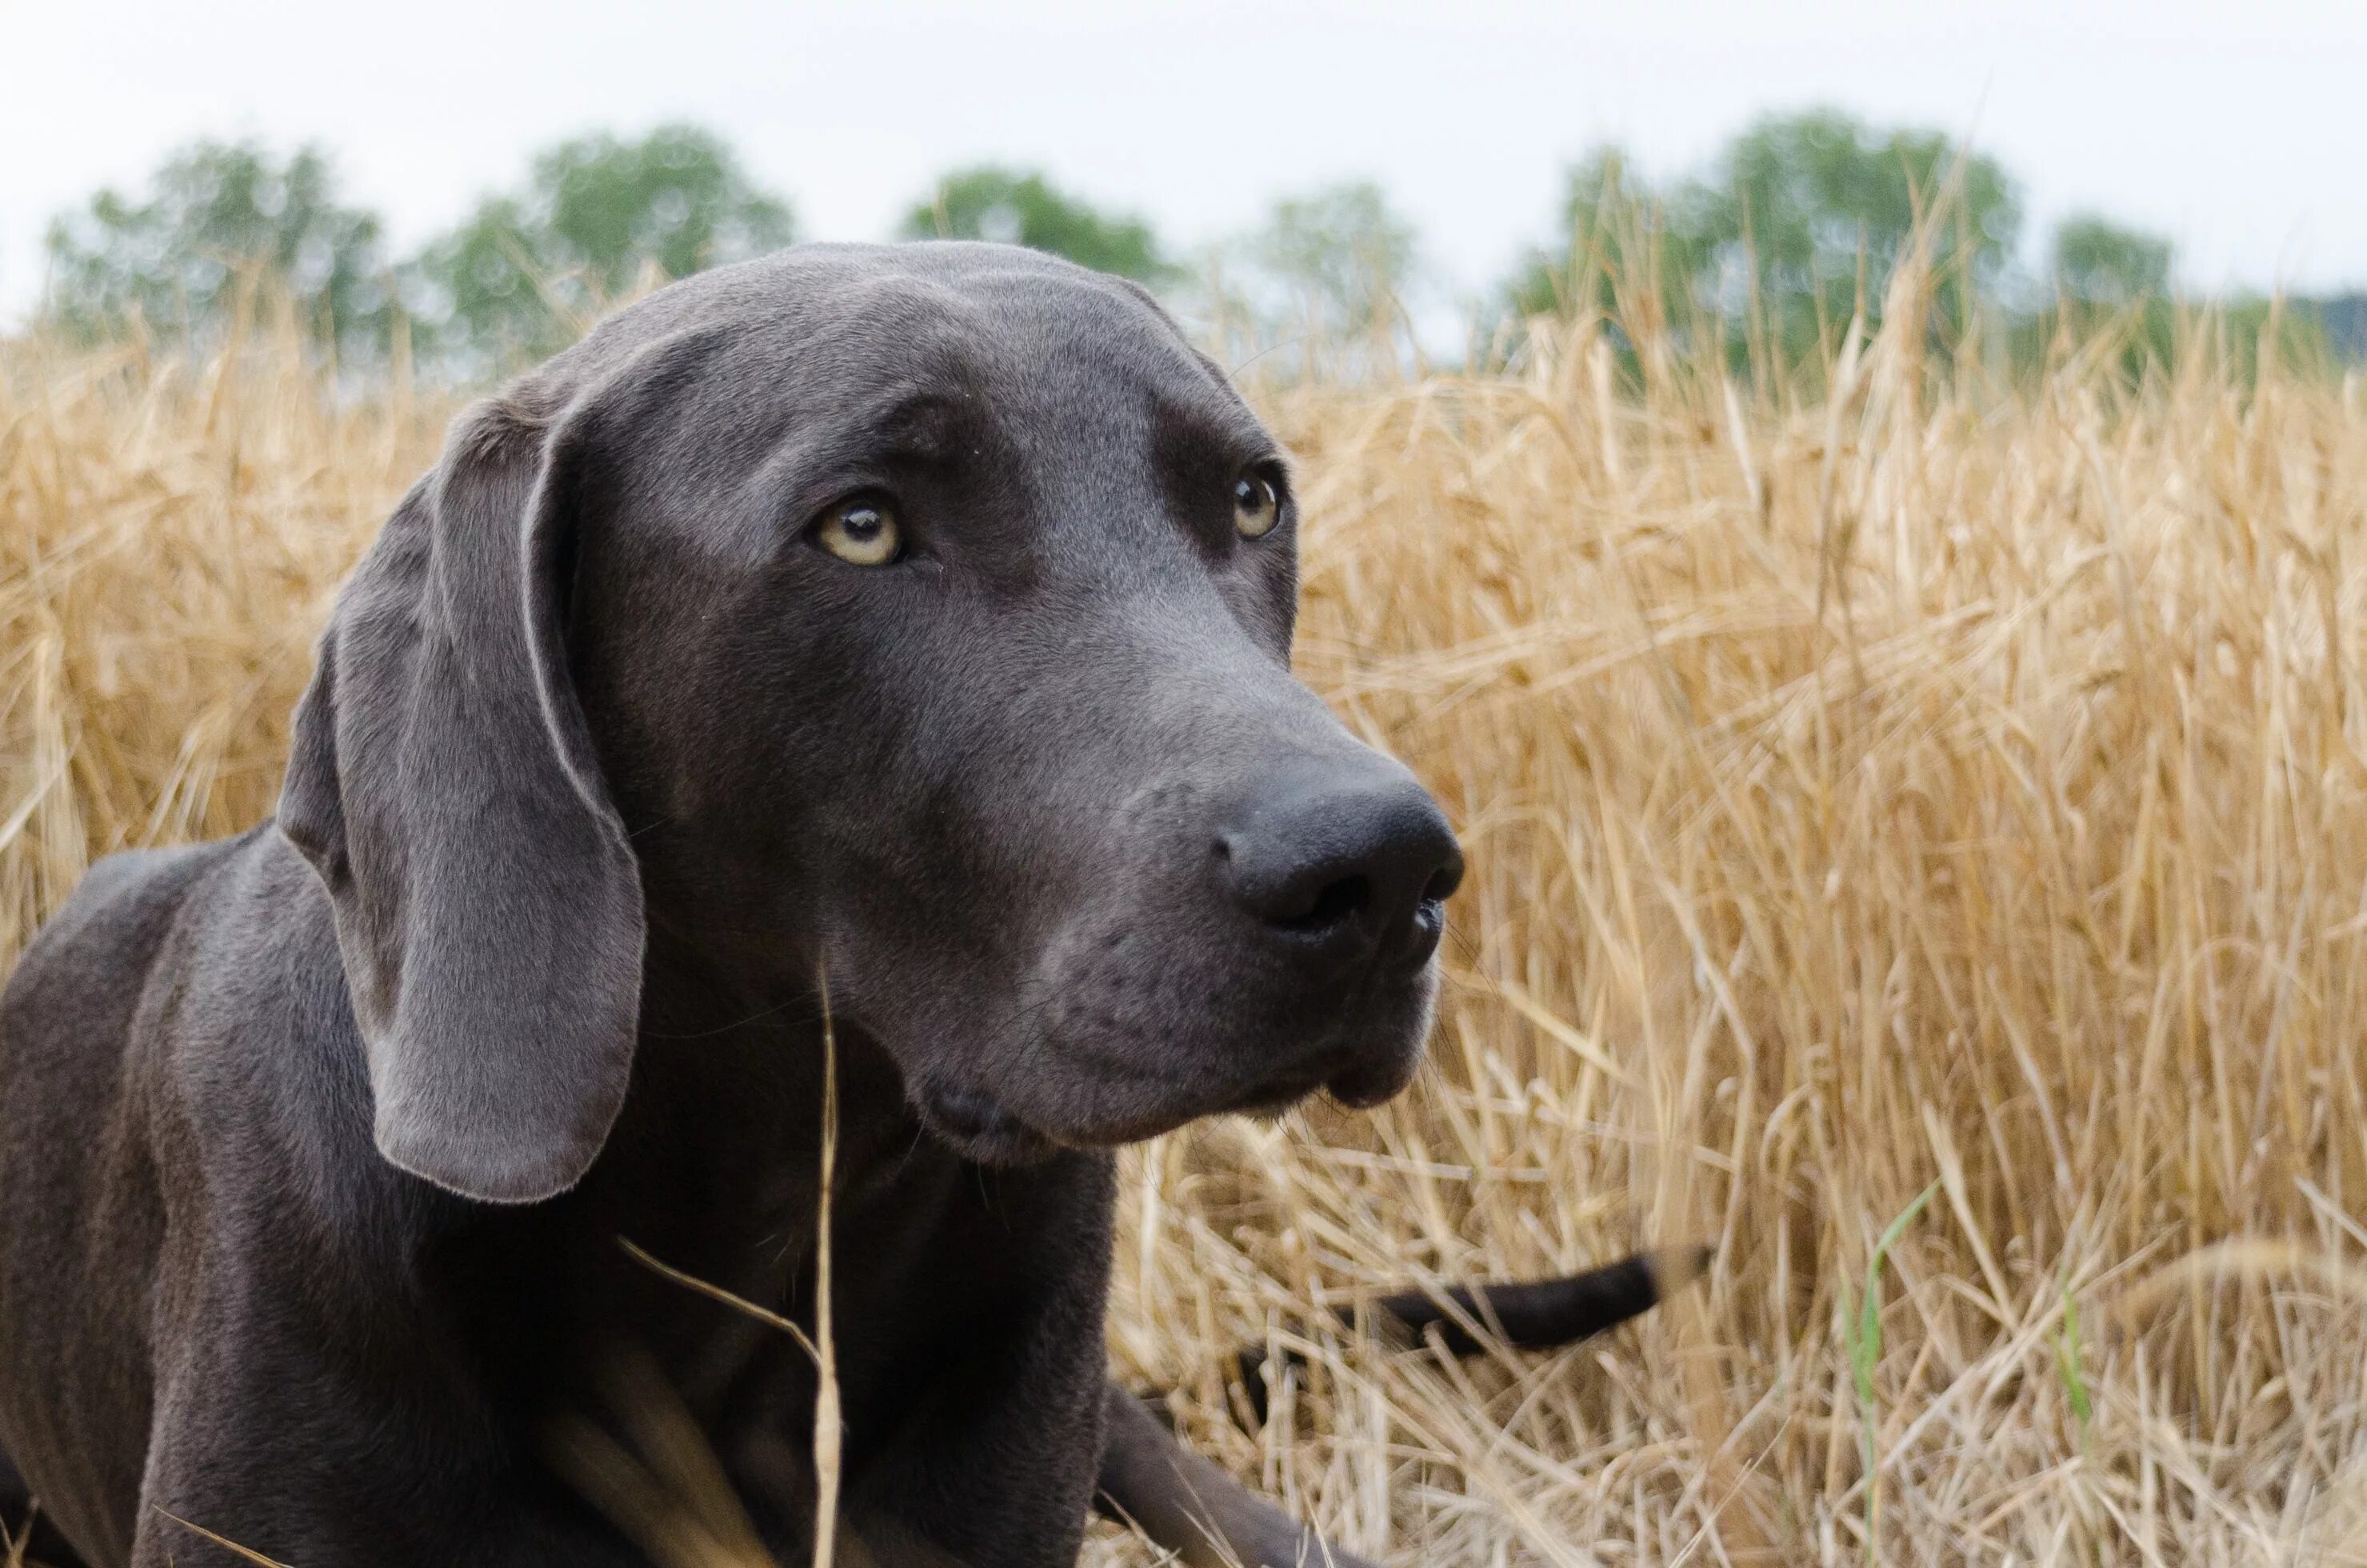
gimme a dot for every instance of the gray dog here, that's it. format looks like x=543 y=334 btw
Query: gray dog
x=905 y=626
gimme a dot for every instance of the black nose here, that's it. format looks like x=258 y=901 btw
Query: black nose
x=1346 y=860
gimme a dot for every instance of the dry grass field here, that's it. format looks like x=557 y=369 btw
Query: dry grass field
x=1919 y=846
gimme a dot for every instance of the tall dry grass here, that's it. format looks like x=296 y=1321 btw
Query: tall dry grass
x=1923 y=791
x=170 y=537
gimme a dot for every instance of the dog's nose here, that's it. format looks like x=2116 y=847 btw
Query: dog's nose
x=1345 y=861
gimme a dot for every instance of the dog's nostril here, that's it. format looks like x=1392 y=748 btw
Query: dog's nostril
x=1444 y=881
x=1341 y=899
x=1429 y=924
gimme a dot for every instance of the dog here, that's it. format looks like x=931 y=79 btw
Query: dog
x=843 y=701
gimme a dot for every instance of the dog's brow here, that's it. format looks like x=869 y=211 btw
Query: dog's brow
x=931 y=425
x=1223 y=433
x=914 y=424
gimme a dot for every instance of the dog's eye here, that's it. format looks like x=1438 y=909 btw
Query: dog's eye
x=1257 y=506
x=861 y=533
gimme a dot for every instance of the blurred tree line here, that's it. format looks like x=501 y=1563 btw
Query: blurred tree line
x=1795 y=229
x=518 y=277
x=1766 y=255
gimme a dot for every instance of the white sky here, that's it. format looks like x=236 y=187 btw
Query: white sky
x=2235 y=126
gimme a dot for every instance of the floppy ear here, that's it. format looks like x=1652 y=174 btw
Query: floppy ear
x=442 y=783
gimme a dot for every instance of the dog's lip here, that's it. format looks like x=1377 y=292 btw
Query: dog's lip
x=1271 y=1096
x=1137 y=1104
x=1370 y=1080
x=1361 y=1089
x=981 y=1126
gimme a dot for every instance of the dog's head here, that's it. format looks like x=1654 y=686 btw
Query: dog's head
x=919 y=618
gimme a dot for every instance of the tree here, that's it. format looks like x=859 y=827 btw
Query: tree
x=2343 y=317
x=1318 y=286
x=524 y=274
x=221 y=217
x=2103 y=278
x=1800 y=220
x=1618 y=233
x=1813 y=201
x=1019 y=207
x=1340 y=252
x=2098 y=262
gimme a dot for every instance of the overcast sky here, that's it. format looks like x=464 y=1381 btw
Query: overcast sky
x=2238 y=128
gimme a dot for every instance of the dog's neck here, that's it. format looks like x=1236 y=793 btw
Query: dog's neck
x=729 y=1097
x=713 y=1173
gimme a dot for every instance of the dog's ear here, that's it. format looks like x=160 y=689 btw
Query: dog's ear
x=442 y=783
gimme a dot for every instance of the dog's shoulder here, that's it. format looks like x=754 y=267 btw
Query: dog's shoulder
x=68 y=1006
x=193 y=1000
x=186 y=1094
x=261 y=1043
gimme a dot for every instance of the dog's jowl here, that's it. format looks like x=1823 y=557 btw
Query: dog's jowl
x=908 y=627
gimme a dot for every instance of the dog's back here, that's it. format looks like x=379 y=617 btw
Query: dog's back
x=78 y=1193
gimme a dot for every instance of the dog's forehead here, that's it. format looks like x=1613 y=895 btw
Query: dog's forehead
x=1044 y=352
x=1039 y=346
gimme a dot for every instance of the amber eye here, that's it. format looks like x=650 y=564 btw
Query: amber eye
x=1256 y=507
x=862 y=533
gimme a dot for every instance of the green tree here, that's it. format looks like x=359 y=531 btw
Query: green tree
x=2098 y=262
x=1618 y=235
x=2343 y=318
x=1019 y=207
x=221 y=217
x=2106 y=278
x=1809 y=203
x=1339 y=253
x=1316 y=288
x=526 y=272
x=1797 y=224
